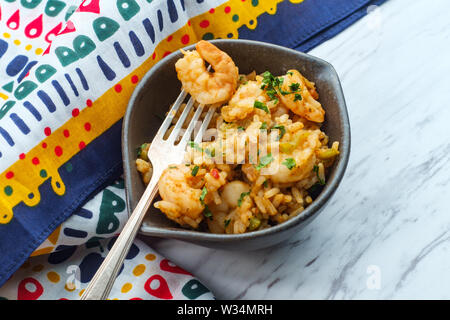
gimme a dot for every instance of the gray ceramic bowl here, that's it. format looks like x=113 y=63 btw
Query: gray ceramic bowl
x=160 y=87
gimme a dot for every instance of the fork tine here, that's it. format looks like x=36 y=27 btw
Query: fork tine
x=204 y=126
x=190 y=128
x=173 y=111
x=176 y=130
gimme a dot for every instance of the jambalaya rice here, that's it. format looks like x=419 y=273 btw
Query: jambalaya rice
x=268 y=156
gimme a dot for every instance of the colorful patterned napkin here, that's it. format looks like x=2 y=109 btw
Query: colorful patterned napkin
x=78 y=247
x=67 y=70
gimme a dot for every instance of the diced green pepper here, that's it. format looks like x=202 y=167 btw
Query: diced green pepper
x=286 y=147
x=297 y=139
x=142 y=152
x=254 y=223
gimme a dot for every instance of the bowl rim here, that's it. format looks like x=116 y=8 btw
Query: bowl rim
x=311 y=211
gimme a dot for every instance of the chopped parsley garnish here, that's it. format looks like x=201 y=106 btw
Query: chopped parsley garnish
x=195 y=171
x=264 y=161
x=294 y=86
x=241 y=198
x=272 y=94
x=284 y=92
x=316 y=170
x=298 y=97
x=241 y=128
x=263 y=126
x=266 y=183
x=272 y=86
x=282 y=131
x=278 y=81
x=226 y=222
x=203 y=195
x=290 y=73
x=173 y=167
x=267 y=78
x=289 y=163
x=207 y=213
x=261 y=105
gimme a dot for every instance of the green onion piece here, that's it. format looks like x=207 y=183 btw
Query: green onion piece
x=241 y=198
x=207 y=213
x=227 y=222
x=316 y=170
x=211 y=153
x=203 y=195
x=195 y=146
x=195 y=171
x=282 y=131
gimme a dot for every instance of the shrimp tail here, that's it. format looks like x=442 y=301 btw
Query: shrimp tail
x=219 y=60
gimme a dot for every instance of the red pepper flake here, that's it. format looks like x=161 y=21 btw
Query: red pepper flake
x=215 y=173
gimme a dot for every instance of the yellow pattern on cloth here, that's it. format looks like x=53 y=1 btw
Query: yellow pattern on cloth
x=88 y=125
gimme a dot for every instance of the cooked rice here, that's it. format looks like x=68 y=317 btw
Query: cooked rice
x=269 y=201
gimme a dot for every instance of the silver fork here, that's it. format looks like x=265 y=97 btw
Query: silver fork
x=161 y=153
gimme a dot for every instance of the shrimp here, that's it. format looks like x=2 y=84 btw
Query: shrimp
x=204 y=86
x=241 y=105
x=306 y=106
x=180 y=201
x=301 y=163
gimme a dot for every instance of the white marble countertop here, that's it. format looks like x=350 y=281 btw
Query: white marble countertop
x=386 y=232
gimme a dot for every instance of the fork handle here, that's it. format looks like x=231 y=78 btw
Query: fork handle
x=103 y=280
